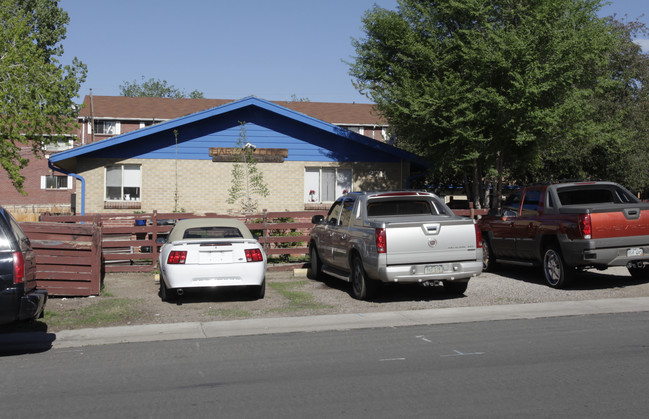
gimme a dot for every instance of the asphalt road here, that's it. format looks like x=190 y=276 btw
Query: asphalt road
x=572 y=366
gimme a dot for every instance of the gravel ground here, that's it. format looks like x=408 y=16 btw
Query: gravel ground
x=289 y=294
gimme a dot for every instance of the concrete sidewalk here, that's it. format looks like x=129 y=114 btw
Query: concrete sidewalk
x=198 y=330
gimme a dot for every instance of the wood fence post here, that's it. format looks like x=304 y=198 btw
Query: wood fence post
x=265 y=230
x=154 y=238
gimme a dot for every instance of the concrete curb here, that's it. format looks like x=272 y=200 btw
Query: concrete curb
x=198 y=330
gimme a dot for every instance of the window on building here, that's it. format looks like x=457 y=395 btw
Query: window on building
x=58 y=145
x=355 y=128
x=150 y=122
x=325 y=184
x=107 y=127
x=123 y=182
x=56 y=182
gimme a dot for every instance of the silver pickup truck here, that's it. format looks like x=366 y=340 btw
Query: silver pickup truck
x=398 y=237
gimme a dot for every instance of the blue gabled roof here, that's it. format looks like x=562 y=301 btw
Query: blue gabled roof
x=248 y=102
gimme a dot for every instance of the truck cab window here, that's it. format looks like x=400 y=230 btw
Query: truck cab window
x=346 y=211
x=511 y=205
x=334 y=213
x=531 y=202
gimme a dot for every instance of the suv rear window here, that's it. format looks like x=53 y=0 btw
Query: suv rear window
x=5 y=244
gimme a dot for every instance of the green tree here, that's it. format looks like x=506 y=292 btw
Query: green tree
x=36 y=94
x=247 y=180
x=155 y=88
x=485 y=89
x=624 y=106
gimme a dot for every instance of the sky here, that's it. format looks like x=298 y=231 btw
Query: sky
x=231 y=49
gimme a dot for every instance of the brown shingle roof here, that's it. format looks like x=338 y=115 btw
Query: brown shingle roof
x=124 y=107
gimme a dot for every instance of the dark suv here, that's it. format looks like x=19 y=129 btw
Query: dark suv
x=19 y=298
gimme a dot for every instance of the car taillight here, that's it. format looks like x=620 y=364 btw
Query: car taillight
x=177 y=257
x=19 y=268
x=585 y=226
x=254 y=255
x=478 y=236
x=381 y=242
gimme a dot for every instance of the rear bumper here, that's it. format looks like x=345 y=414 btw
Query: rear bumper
x=603 y=253
x=200 y=276
x=32 y=305
x=16 y=306
x=452 y=271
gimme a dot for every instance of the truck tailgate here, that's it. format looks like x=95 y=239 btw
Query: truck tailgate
x=430 y=241
x=629 y=222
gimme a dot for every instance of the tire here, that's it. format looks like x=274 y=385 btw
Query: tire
x=315 y=264
x=489 y=263
x=258 y=292
x=363 y=288
x=639 y=273
x=557 y=273
x=458 y=288
x=166 y=293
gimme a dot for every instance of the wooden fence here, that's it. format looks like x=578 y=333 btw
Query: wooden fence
x=68 y=257
x=129 y=240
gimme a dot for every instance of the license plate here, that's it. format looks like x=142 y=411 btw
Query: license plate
x=215 y=257
x=433 y=269
x=635 y=251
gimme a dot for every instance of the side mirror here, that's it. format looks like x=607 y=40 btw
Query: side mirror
x=161 y=240
x=317 y=219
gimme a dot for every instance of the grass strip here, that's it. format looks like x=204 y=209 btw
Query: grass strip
x=297 y=300
x=103 y=312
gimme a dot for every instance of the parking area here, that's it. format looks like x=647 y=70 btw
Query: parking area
x=134 y=298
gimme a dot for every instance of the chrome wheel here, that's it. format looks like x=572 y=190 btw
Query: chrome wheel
x=556 y=273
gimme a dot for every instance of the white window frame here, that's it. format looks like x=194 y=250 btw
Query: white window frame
x=356 y=128
x=130 y=182
x=316 y=180
x=150 y=122
x=58 y=145
x=44 y=182
x=116 y=124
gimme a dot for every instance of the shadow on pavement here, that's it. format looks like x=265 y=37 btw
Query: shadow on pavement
x=393 y=293
x=21 y=338
x=588 y=280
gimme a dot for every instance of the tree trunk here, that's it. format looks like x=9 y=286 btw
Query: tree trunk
x=476 y=185
x=499 y=181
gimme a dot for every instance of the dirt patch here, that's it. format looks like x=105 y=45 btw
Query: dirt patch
x=129 y=299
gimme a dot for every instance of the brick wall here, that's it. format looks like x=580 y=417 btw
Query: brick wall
x=34 y=195
x=203 y=185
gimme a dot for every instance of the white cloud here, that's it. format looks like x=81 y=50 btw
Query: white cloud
x=644 y=44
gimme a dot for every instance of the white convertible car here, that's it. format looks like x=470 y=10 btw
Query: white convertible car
x=211 y=252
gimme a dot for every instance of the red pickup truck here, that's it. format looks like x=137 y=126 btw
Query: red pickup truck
x=567 y=227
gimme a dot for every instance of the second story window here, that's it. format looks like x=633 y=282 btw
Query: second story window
x=106 y=127
x=355 y=128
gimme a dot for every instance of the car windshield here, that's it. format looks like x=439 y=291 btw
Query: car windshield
x=212 y=233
